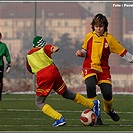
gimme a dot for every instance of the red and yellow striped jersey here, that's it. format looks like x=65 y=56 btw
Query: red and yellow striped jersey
x=98 y=50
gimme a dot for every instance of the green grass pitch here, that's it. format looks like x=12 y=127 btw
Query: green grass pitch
x=19 y=113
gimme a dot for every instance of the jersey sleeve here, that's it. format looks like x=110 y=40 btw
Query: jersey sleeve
x=48 y=50
x=7 y=54
x=116 y=47
x=86 y=39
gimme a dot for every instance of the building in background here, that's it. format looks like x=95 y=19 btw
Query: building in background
x=55 y=19
x=52 y=20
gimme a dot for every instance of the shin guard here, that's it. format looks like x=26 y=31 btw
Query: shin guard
x=47 y=109
x=83 y=101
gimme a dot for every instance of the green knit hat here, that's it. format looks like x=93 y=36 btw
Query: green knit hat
x=39 y=41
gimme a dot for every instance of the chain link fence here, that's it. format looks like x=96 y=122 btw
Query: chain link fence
x=64 y=24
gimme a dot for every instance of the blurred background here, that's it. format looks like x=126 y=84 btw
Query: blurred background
x=63 y=24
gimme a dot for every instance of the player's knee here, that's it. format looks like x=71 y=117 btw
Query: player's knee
x=40 y=101
x=106 y=90
x=91 y=93
x=39 y=104
x=107 y=96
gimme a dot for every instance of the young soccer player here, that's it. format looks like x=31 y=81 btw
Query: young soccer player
x=4 y=52
x=96 y=49
x=40 y=63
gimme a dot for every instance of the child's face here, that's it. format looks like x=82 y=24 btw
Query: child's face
x=99 y=29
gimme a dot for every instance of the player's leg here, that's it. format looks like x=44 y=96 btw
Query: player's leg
x=91 y=87
x=45 y=85
x=61 y=88
x=1 y=81
x=106 y=90
x=48 y=110
x=78 y=98
x=91 y=83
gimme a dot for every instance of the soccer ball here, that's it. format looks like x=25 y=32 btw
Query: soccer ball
x=88 y=117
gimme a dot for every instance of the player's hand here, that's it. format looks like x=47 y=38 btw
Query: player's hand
x=79 y=53
x=8 y=67
x=55 y=49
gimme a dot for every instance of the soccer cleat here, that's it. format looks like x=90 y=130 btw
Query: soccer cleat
x=60 y=122
x=96 y=108
x=113 y=115
x=99 y=121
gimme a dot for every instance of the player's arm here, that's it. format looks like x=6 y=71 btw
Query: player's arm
x=49 y=49
x=8 y=59
x=128 y=57
x=116 y=47
x=81 y=53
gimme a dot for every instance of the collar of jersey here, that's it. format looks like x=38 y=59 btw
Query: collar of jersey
x=104 y=34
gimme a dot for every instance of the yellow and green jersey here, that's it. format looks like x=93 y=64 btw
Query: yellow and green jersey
x=4 y=52
x=98 y=50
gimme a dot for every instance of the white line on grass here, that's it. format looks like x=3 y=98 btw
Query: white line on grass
x=29 y=110
x=42 y=119
x=111 y=125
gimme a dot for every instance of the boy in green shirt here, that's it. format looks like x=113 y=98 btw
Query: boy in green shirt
x=3 y=52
